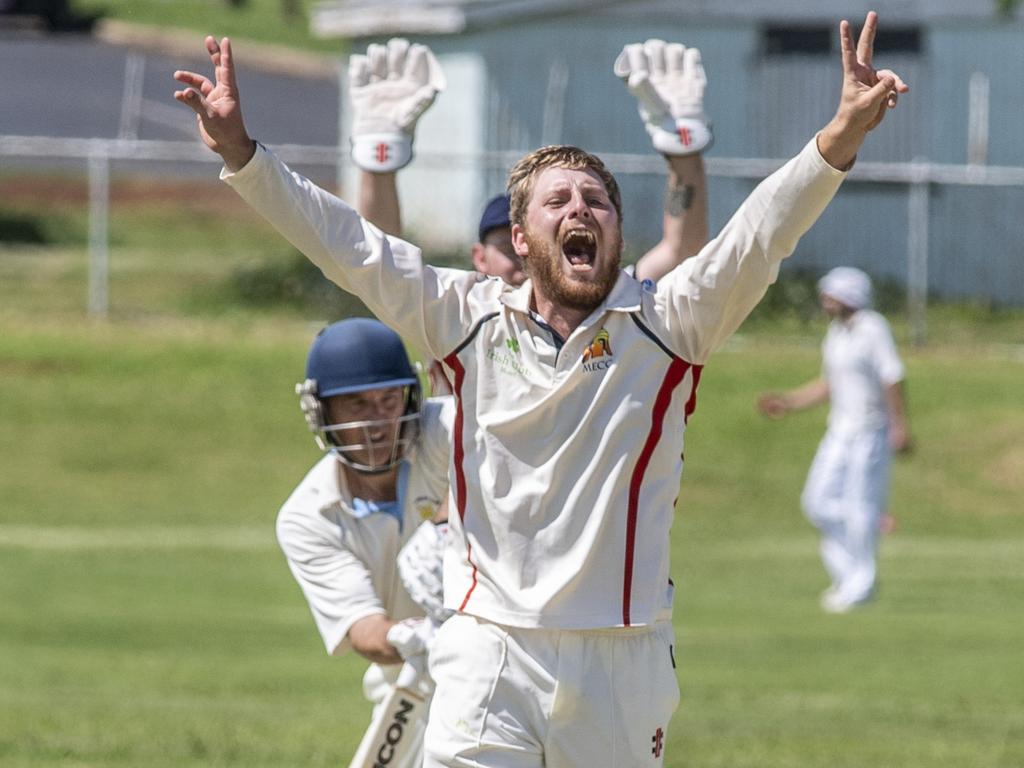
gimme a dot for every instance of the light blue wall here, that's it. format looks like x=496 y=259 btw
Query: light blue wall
x=770 y=108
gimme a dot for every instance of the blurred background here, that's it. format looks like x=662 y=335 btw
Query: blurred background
x=152 y=328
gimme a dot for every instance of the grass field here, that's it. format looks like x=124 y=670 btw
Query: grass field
x=262 y=20
x=149 y=620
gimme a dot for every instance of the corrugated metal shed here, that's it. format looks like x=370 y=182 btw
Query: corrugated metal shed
x=528 y=72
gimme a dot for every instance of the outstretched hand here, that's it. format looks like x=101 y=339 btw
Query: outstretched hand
x=867 y=92
x=773 y=405
x=217 y=107
x=866 y=95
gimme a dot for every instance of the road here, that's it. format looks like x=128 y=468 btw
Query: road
x=74 y=86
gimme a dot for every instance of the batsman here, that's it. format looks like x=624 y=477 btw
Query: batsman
x=563 y=474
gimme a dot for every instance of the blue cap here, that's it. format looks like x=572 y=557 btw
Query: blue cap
x=495 y=215
x=358 y=354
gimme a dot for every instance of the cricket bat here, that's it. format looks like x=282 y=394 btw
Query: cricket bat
x=395 y=733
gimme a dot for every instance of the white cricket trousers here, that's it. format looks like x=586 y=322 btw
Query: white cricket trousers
x=845 y=495
x=509 y=697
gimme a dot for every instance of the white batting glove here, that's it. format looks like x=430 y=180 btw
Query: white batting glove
x=390 y=87
x=420 y=567
x=668 y=81
x=412 y=639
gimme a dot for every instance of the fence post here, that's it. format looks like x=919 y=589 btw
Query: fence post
x=99 y=210
x=131 y=98
x=341 y=165
x=917 y=253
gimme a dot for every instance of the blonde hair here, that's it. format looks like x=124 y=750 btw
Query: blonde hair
x=525 y=172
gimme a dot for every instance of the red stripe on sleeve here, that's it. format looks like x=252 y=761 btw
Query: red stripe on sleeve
x=458 y=456
x=676 y=371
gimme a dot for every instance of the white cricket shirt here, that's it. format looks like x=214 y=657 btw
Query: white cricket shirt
x=345 y=564
x=859 y=360
x=565 y=463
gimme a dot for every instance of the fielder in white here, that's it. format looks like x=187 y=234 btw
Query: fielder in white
x=848 y=486
x=384 y=477
x=572 y=394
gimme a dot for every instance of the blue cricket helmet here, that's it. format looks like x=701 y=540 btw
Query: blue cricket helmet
x=356 y=355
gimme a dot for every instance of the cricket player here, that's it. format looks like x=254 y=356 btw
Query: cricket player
x=848 y=485
x=383 y=475
x=571 y=394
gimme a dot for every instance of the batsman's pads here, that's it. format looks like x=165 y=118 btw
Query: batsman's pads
x=420 y=567
x=668 y=81
x=390 y=87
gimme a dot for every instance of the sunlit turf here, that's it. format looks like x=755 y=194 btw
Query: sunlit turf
x=149 y=620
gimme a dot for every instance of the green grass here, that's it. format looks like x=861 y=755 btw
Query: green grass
x=149 y=620
x=261 y=20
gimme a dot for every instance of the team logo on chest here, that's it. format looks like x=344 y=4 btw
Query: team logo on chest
x=598 y=354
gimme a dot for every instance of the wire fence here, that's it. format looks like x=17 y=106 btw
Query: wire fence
x=917 y=182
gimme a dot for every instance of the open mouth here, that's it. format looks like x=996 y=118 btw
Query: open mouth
x=579 y=246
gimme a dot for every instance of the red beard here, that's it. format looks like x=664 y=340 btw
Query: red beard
x=543 y=266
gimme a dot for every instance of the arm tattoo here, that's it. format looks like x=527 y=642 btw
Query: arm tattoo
x=679 y=198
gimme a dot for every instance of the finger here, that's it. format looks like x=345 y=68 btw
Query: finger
x=398 y=47
x=435 y=76
x=226 y=73
x=866 y=42
x=637 y=59
x=846 y=46
x=623 y=62
x=655 y=50
x=190 y=97
x=377 y=56
x=358 y=70
x=675 y=55
x=695 y=66
x=212 y=49
x=621 y=66
x=901 y=87
x=880 y=91
x=194 y=80
x=417 y=65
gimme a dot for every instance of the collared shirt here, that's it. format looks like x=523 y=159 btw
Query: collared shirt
x=566 y=461
x=859 y=360
x=343 y=560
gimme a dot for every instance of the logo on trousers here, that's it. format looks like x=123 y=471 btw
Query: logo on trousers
x=658 y=740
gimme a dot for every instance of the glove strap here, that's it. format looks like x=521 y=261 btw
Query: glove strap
x=684 y=136
x=382 y=152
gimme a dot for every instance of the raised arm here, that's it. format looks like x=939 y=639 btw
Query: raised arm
x=685 y=219
x=775 y=405
x=706 y=298
x=378 y=201
x=668 y=82
x=391 y=87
